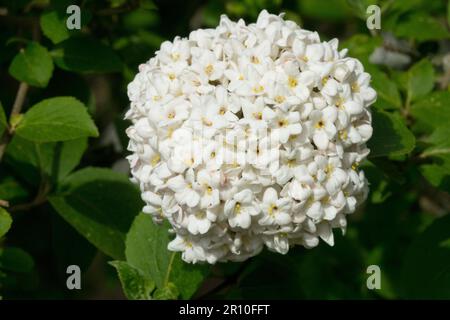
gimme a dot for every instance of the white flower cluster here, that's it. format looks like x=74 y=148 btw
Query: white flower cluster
x=247 y=136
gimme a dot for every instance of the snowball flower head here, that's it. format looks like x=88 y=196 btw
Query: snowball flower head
x=249 y=136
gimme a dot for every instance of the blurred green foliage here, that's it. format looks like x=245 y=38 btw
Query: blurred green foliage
x=65 y=198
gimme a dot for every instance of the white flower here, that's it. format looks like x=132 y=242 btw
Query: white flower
x=192 y=252
x=240 y=209
x=183 y=187
x=200 y=221
x=285 y=124
x=208 y=66
x=249 y=136
x=175 y=52
x=207 y=185
x=323 y=126
x=276 y=211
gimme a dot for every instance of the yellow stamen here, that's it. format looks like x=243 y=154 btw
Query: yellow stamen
x=292 y=82
x=207 y=122
x=283 y=122
x=329 y=169
x=170 y=132
x=325 y=200
x=320 y=125
x=200 y=214
x=189 y=162
x=343 y=134
x=209 y=69
x=155 y=160
x=291 y=163
x=175 y=56
x=257 y=115
x=340 y=103
x=254 y=60
x=271 y=210
x=222 y=110
x=258 y=89
x=280 y=99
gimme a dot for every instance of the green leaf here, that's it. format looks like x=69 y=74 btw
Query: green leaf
x=135 y=285
x=86 y=55
x=361 y=47
x=426 y=267
x=100 y=204
x=63 y=157
x=5 y=222
x=69 y=247
x=433 y=110
x=410 y=5
x=390 y=137
x=146 y=250
x=388 y=94
x=33 y=65
x=54 y=21
x=420 y=80
x=421 y=27
x=359 y=7
x=55 y=159
x=13 y=191
x=16 y=259
x=438 y=173
x=169 y=292
x=187 y=277
x=3 y=121
x=440 y=143
x=329 y=10
x=57 y=119
x=53 y=25
x=448 y=13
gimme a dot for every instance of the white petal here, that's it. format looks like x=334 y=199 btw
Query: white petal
x=315 y=211
x=270 y=196
x=320 y=139
x=192 y=198
x=325 y=233
x=282 y=218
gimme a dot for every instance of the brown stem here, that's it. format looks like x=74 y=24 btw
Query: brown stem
x=27 y=206
x=17 y=107
x=4 y=203
x=40 y=198
x=20 y=99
